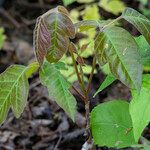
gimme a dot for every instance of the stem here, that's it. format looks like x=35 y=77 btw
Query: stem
x=85 y=91
x=109 y=24
x=91 y=75
x=77 y=72
x=79 y=93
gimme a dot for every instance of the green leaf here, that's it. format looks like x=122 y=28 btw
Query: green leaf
x=2 y=37
x=51 y=34
x=58 y=88
x=117 y=47
x=14 y=90
x=68 y=2
x=139 y=21
x=33 y=67
x=144 y=49
x=108 y=80
x=113 y=6
x=140 y=107
x=111 y=124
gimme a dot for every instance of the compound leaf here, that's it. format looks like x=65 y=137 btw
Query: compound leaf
x=58 y=88
x=140 y=107
x=117 y=47
x=51 y=34
x=111 y=124
x=14 y=89
x=139 y=21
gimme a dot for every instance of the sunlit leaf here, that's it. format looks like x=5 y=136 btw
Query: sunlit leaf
x=74 y=15
x=139 y=21
x=111 y=124
x=14 y=89
x=58 y=88
x=140 y=107
x=91 y=12
x=113 y=6
x=108 y=80
x=117 y=47
x=51 y=35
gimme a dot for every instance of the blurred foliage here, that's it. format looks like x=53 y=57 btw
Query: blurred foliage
x=68 y=2
x=85 y=1
x=2 y=38
x=91 y=13
x=143 y=8
x=112 y=6
x=70 y=74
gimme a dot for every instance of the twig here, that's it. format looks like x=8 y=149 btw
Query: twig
x=79 y=93
x=112 y=22
x=58 y=142
x=9 y=17
x=91 y=75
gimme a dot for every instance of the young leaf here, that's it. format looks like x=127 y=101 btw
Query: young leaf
x=108 y=80
x=14 y=89
x=140 y=107
x=58 y=88
x=51 y=34
x=117 y=47
x=139 y=21
x=111 y=124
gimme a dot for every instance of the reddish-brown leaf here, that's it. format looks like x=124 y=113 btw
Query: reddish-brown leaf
x=52 y=34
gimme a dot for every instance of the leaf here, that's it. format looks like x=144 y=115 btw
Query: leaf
x=117 y=47
x=140 y=107
x=58 y=88
x=108 y=80
x=113 y=6
x=139 y=21
x=91 y=12
x=14 y=90
x=2 y=37
x=144 y=49
x=68 y=2
x=51 y=34
x=111 y=124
